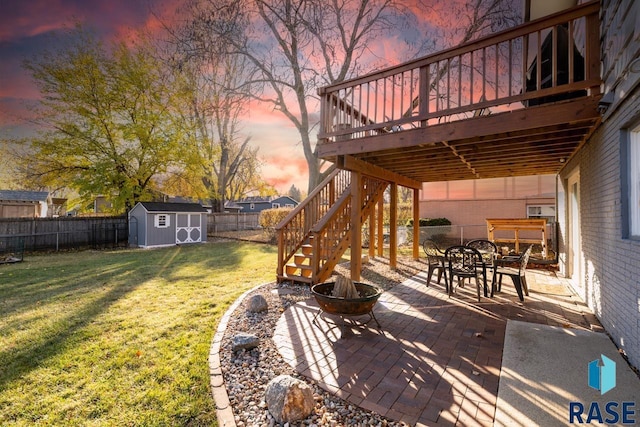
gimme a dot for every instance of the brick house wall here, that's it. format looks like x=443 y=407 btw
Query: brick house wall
x=610 y=263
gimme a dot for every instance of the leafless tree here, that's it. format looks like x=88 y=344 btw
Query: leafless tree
x=218 y=83
x=298 y=46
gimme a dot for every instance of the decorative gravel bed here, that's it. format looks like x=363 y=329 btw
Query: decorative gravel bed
x=247 y=372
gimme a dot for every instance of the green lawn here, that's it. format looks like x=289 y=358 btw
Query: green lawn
x=118 y=337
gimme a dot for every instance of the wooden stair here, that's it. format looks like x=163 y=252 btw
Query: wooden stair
x=315 y=235
x=301 y=269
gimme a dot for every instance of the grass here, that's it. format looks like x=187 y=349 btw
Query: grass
x=118 y=338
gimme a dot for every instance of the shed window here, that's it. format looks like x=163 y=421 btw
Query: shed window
x=275 y=205
x=634 y=182
x=162 y=221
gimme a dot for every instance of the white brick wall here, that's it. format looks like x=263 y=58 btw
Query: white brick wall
x=611 y=283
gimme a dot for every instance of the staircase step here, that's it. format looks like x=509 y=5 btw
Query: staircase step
x=292 y=269
x=307 y=249
x=302 y=259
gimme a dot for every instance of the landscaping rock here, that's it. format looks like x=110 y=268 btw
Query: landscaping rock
x=244 y=341
x=289 y=399
x=257 y=303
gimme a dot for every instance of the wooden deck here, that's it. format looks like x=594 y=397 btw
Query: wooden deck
x=481 y=110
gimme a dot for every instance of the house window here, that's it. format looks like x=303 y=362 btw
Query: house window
x=162 y=221
x=542 y=211
x=288 y=205
x=633 y=183
x=275 y=205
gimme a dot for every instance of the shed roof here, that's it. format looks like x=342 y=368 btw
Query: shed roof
x=172 y=207
x=24 y=196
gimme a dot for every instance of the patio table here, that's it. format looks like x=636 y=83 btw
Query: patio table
x=488 y=261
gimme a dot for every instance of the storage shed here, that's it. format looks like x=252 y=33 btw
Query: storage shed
x=154 y=224
x=24 y=204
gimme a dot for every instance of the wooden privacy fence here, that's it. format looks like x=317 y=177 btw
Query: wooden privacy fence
x=218 y=222
x=36 y=234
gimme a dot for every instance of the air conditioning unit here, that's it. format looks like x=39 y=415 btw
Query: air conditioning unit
x=542 y=211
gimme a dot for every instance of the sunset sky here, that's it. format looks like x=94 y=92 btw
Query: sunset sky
x=27 y=26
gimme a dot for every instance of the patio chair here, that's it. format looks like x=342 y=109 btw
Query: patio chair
x=517 y=274
x=435 y=260
x=489 y=252
x=463 y=262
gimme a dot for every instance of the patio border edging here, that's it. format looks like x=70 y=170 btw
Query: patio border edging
x=224 y=411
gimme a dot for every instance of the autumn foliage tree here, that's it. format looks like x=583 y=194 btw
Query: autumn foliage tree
x=109 y=121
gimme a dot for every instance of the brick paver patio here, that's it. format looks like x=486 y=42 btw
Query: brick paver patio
x=436 y=360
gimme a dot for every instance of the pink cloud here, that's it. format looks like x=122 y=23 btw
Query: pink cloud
x=282 y=172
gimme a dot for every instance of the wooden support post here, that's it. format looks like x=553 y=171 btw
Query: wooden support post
x=416 y=224
x=280 y=267
x=393 y=227
x=372 y=233
x=380 y=233
x=356 y=226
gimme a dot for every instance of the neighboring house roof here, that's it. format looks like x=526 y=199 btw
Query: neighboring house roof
x=172 y=207
x=269 y=199
x=255 y=199
x=24 y=196
x=232 y=205
x=285 y=199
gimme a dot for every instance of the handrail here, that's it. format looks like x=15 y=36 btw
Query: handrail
x=331 y=213
x=295 y=211
x=495 y=71
x=332 y=234
x=526 y=28
x=293 y=230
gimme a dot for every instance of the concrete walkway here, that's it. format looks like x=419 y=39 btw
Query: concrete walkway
x=544 y=379
x=436 y=359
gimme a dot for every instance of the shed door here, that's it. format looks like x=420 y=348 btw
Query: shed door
x=188 y=228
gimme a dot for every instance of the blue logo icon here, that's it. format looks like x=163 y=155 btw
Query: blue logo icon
x=602 y=375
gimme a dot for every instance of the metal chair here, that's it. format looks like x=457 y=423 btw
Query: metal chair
x=435 y=260
x=489 y=252
x=517 y=274
x=463 y=262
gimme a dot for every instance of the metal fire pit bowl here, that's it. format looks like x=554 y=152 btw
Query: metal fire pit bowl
x=342 y=307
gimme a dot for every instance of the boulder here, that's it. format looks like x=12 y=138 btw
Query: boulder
x=244 y=341
x=289 y=399
x=257 y=303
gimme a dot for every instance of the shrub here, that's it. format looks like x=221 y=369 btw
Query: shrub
x=429 y=222
x=403 y=213
x=269 y=218
x=439 y=235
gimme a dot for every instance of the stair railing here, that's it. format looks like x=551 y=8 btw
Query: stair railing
x=293 y=230
x=332 y=234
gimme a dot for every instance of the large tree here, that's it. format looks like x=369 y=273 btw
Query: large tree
x=109 y=120
x=297 y=46
x=300 y=45
x=222 y=163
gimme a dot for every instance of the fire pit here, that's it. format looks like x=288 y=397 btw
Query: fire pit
x=346 y=307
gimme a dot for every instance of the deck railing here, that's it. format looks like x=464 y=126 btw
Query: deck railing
x=495 y=73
